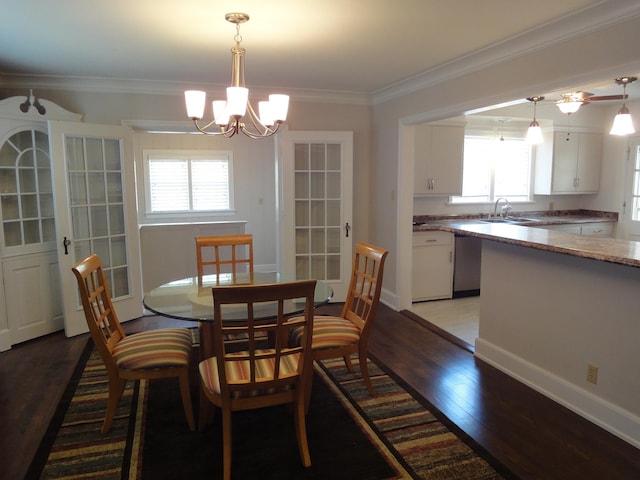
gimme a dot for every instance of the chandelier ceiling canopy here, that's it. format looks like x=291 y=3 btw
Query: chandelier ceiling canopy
x=235 y=114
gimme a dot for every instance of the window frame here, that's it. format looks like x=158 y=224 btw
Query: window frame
x=490 y=135
x=189 y=156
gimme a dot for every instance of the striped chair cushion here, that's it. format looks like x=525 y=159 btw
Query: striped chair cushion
x=329 y=332
x=166 y=347
x=238 y=373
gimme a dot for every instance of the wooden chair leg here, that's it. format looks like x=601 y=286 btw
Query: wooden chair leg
x=364 y=369
x=307 y=389
x=301 y=431
x=116 y=387
x=226 y=443
x=205 y=411
x=347 y=362
x=185 y=393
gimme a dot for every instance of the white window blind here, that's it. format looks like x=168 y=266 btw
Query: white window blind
x=183 y=181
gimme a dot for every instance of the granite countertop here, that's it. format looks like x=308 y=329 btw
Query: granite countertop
x=610 y=250
x=556 y=217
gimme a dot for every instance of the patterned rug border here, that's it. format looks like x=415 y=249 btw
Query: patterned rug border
x=499 y=467
x=379 y=441
x=42 y=454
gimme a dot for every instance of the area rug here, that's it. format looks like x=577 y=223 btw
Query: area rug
x=351 y=435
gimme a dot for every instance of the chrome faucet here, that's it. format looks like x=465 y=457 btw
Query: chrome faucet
x=504 y=211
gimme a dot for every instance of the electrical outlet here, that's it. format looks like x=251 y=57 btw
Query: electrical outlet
x=592 y=374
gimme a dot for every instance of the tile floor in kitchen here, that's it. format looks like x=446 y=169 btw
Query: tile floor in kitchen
x=457 y=316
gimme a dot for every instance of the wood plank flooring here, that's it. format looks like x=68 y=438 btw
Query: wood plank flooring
x=525 y=431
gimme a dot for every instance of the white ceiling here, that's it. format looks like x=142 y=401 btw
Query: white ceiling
x=361 y=46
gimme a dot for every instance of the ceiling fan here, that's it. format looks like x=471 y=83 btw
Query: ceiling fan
x=571 y=102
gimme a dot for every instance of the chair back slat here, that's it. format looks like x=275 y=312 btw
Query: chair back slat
x=266 y=340
x=366 y=283
x=224 y=254
x=101 y=317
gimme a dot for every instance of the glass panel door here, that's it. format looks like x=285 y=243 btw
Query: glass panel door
x=315 y=185
x=96 y=213
x=318 y=210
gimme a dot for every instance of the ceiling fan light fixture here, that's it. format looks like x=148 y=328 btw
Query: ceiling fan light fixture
x=534 y=132
x=569 y=104
x=623 y=123
x=235 y=114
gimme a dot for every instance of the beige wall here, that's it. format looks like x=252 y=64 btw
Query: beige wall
x=254 y=162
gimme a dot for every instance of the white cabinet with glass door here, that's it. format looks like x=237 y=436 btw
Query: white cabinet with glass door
x=31 y=295
x=568 y=162
x=315 y=204
x=438 y=157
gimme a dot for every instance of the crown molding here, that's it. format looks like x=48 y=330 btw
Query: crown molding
x=601 y=15
x=154 y=87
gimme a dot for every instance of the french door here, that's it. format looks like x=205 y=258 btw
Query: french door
x=95 y=202
x=315 y=206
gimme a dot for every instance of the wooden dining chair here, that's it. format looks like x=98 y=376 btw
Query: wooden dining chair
x=260 y=374
x=224 y=253
x=150 y=354
x=341 y=336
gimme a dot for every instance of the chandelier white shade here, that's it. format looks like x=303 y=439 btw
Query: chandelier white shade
x=623 y=123
x=235 y=114
x=569 y=104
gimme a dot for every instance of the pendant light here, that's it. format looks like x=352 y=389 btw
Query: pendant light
x=534 y=133
x=623 y=123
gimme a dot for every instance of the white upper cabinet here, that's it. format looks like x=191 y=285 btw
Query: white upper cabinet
x=438 y=159
x=568 y=162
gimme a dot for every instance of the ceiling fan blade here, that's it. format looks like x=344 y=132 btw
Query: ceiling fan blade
x=606 y=97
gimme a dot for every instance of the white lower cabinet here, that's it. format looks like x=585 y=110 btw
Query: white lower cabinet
x=432 y=272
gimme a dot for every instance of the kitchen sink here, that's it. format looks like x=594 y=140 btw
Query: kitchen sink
x=512 y=220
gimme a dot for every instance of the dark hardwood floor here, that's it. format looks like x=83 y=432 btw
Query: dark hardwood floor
x=528 y=433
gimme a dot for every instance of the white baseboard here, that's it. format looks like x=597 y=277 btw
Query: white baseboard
x=390 y=299
x=5 y=340
x=603 y=413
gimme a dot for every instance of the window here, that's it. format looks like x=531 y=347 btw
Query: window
x=495 y=168
x=188 y=182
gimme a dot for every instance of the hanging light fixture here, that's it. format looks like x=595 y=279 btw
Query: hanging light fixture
x=623 y=123
x=534 y=133
x=236 y=114
x=570 y=103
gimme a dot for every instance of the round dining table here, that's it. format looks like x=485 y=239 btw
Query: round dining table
x=191 y=298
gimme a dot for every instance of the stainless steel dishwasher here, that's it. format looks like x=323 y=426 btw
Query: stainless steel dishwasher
x=466 y=270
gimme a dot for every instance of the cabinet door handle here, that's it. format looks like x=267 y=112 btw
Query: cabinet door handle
x=347 y=227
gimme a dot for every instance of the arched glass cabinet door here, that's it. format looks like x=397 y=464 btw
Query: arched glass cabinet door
x=26 y=193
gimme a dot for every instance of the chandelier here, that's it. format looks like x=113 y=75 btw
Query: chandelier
x=235 y=114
